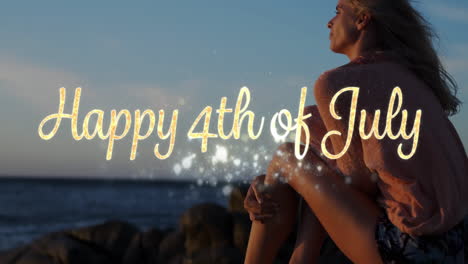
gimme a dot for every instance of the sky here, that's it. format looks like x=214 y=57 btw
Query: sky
x=166 y=55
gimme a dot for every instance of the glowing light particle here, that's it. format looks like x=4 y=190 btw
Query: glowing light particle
x=187 y=161
x=221 y=155
x=229 y=177
x=319 y=168
x=283 y=179
x=227 y=190
x=181 y=101
x=213 y=183
x=348 y=180
x=279 y=139
x=237 y=162
x=177 y=169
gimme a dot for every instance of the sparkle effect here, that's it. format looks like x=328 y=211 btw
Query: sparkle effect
x=221 y=155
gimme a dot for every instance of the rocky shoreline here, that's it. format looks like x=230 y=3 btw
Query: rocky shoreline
x=206 y=233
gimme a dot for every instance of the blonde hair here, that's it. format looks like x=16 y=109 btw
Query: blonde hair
x=404 y=31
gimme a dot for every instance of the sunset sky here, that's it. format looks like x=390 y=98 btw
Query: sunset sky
x=171 y=55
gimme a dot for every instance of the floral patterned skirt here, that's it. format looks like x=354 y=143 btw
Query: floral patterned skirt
x=396 y=247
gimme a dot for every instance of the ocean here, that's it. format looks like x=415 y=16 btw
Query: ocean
x=33 y=207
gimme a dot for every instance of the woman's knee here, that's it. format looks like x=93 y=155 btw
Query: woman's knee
x=283 y=159
x=284 y=153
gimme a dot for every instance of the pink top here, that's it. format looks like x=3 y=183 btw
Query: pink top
x=427 y=194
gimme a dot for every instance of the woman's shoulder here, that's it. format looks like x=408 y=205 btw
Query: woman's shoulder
x=371 y=66
x=333 y=80
x=353 y=70
x=375 y=76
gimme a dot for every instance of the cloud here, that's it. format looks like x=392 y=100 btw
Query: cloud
x=34 y=84
x=457 y=14
x=38 y=86
x=457 y=60
x=456 y=65
x=157 y=96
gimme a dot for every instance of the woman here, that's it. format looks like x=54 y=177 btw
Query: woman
x=376 y=206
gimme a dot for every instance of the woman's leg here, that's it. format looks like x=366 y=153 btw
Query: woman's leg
x=347 y=215
x=266 y=238
x=310 y=237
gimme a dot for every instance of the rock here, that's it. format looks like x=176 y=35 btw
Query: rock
x=144 y=248
x=59 y=248
x=207 y=233
x=206 y=226
x=100 y=244
x=236 y=199
x=23 y=255
x=179 y=259
x=171 y=246
x=113 y=236
x=67 y=249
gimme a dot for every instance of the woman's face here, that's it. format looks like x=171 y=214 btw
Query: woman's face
x=343 y=31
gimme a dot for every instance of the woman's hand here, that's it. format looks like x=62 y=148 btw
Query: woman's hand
x=258 y=201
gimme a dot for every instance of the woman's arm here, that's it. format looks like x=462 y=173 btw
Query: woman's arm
x=351 y=164
x=317 y=132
